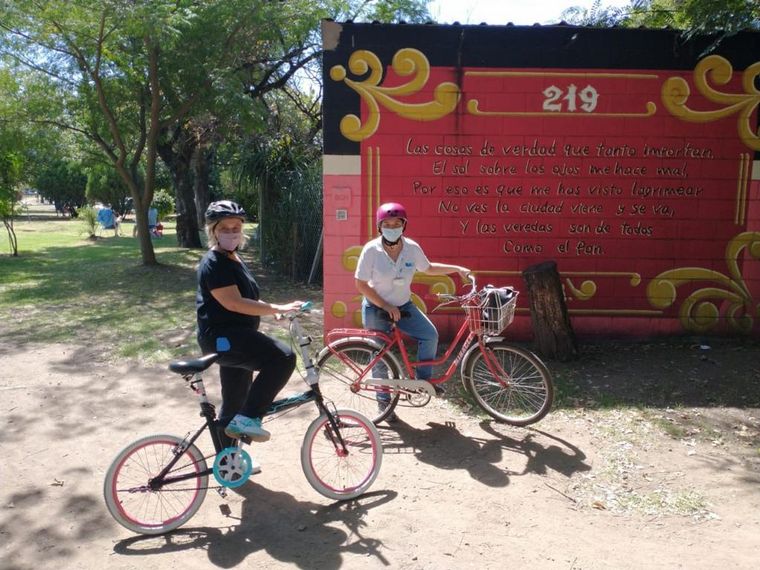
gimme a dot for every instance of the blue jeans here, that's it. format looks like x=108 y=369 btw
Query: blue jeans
x=416 y=325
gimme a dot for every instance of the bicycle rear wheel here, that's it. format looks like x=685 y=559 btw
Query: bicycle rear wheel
x=333 y=472
x=145 y=510
x=520 y=396
x=339 y=370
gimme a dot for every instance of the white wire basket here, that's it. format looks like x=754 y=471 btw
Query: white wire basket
x=491 y=311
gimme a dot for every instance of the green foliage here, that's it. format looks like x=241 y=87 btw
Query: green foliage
x=720 y=17
x=595 y=16
x=11 y=168
x=290 y=221
x=286 y=176
x=725 y=17
x=89 y=219
x=392 y=11
x=163 y=201
x=105 y=185
x=61 y=181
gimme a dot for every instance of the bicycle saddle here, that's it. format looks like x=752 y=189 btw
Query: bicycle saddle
x=193 y=365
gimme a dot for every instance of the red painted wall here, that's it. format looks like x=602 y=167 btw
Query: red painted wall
x=641 y=184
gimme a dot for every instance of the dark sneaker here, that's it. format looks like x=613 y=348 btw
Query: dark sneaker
x=390 y=418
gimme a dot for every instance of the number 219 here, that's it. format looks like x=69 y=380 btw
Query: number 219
x=556 y=98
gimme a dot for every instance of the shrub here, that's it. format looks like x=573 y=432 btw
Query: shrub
x=89 y=218
x=163 y=201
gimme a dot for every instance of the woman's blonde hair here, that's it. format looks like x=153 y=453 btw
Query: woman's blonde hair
x=213 y=242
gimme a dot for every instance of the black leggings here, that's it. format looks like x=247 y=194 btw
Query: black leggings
x=249 y=351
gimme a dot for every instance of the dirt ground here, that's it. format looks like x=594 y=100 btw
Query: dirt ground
x=669 y=481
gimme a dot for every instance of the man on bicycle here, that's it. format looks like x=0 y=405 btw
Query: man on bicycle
x=384 y=274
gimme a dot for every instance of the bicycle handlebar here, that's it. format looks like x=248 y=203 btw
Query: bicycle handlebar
x=451 y=297
x=292 y=314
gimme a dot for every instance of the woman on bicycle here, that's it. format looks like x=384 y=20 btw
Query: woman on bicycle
x=229 y=311
x=384 y=274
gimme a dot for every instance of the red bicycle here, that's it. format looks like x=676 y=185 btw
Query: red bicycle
x=508 y=382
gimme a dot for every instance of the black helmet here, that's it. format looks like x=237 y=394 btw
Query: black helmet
x=223 y=209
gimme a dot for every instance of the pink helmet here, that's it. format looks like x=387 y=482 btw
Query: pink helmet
x=390 y=210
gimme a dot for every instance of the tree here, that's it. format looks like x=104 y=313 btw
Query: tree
x=722 y=18
x=61 y=181
x=10 y=175
x=143 y=79
x=111 y=65
x=104 y=185
x=595 y=16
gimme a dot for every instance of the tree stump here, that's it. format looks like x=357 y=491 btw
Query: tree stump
x=553 y=332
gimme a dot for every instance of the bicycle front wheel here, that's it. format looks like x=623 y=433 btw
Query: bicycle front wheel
x=334 y=471
x=517 y=388
x=339 y=371
x=155 y=509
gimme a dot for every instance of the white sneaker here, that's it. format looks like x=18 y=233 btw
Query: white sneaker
x=245 y=426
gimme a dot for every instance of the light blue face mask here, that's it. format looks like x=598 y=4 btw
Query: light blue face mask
x=392 y=234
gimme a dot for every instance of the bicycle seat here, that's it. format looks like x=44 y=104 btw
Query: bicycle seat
x=193 y=365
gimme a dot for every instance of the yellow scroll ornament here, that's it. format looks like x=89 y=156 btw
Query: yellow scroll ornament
x=406 y=62
x=699 y=312
x=718 y=70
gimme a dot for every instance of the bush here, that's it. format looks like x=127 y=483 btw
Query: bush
x=163 y=201
x=89 y=218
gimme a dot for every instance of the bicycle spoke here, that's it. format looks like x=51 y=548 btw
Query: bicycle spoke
x=137 y=506
x=510 y=384
x=339 y=472
x=339 y=379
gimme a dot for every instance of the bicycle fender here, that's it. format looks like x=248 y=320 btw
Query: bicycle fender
x=368 y=341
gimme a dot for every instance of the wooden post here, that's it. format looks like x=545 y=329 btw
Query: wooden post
x=553 y=332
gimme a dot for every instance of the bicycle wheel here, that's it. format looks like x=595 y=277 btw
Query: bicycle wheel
x=339 y=370
x=331 y=471
x=522 y=396
x=136 y=506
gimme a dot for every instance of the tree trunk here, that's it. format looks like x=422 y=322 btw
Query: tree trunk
x=187 y=218
x=201 y=176
x=177 y=153
x=554 y=337
x=143 y=234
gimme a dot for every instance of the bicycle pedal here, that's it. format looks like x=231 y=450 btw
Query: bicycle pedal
x=225 y=509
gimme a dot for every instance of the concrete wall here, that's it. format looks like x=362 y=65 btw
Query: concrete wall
x=627 y=156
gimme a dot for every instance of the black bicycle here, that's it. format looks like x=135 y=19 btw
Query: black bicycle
x=157 y=483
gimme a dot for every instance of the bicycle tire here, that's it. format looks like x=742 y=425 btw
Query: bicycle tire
x=523 y=398
x=328 y=470
x=339 y=369
x=142 y=510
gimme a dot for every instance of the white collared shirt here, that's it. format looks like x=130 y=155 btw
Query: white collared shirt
x=392 y=280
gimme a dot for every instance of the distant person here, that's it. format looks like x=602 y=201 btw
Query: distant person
x=228 y=312
x=152 y=223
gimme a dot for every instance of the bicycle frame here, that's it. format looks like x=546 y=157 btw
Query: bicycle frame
x=396 y=339
x=208 y=412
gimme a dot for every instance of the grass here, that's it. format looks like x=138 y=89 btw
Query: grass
x=63 y=287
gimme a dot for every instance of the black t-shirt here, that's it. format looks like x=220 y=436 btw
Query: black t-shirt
x=216 y=270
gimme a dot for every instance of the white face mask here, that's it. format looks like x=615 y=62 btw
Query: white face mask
x=229 y=241
x=392 y=234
